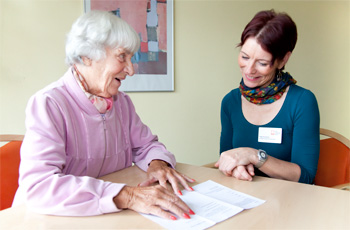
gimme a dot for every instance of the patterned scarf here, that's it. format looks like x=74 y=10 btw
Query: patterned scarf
x=102 y=104
x=269 y=94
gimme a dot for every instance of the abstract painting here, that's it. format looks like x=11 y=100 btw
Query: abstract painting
x=153 y=21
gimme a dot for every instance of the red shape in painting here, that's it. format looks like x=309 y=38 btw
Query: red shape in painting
x=144 y=47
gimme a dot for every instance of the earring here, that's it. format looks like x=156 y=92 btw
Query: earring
x=279 y=74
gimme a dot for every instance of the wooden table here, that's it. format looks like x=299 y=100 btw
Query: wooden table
x=288 y=205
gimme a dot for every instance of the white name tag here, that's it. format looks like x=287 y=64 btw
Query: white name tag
x=270 y=135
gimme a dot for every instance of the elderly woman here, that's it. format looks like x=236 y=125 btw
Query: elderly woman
x=270 y=126
x=81 y=128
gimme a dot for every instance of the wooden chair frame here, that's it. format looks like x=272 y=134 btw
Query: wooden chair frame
x=343 y=140
x=337 y=136
x=11 y=137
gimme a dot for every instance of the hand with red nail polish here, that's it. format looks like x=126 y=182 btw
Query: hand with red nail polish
x=155 y=200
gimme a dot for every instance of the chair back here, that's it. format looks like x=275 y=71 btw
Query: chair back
x=334 y=161
x=9 y=168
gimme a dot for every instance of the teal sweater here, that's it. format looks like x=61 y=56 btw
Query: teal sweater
x=300 y=122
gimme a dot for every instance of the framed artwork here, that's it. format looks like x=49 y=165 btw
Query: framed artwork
x=153 y=21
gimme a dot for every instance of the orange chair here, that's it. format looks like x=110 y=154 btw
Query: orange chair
x=9 y=165
x=334 y=162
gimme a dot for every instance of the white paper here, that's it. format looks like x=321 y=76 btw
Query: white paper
x=227 y=195
x=212 y=204
x=195 y=223
x=209 y=208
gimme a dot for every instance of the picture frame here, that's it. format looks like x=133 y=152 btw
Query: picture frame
x=154 y=63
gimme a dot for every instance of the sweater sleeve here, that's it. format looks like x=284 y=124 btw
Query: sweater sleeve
x=145 y=145
x=306 y=136
x=226 y=124
x=43 y=185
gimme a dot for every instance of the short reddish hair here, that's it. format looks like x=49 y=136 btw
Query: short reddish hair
x=275 y=32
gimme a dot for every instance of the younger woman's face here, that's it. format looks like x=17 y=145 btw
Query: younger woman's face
x=255 y=64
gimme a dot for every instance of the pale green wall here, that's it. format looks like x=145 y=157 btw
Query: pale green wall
x=206 y=32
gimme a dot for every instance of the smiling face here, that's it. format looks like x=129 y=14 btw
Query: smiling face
x=104 y=76
x=255 y=64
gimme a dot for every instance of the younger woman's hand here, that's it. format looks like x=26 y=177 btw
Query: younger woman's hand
x=233 y=158
x=244 y=172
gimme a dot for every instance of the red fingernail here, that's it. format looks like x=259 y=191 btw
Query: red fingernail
x=173 y=217
x=186 y=216
x=191 y=212
x=191 y=188
x=180 y=192
x=138 y=185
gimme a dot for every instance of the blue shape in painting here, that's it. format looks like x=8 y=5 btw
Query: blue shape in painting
x=136 y=57
x=143 y=57
x=152 y=17
x=116 y=12
x=153 y=46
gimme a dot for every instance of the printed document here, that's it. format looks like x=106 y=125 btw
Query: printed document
x=212 y=203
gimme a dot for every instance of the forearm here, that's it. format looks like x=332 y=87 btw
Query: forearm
x=66 y=195
x=280 y=169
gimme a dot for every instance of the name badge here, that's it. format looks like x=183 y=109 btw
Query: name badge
x=270 y=135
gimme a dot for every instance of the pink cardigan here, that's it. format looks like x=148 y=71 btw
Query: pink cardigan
x=68 y=144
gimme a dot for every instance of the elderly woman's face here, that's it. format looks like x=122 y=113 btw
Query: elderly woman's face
x=254 y=63
x=105 y=75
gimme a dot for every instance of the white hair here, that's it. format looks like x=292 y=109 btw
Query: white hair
x=95 y=31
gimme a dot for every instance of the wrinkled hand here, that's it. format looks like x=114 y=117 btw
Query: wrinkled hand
x=160 y=171
x=230 y=160
x=154 y=200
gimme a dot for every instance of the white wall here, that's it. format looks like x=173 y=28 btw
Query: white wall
x=205 y=35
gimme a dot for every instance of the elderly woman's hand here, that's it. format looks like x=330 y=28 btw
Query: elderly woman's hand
x=155 y=200
x=160 y=171
x=238 y=162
